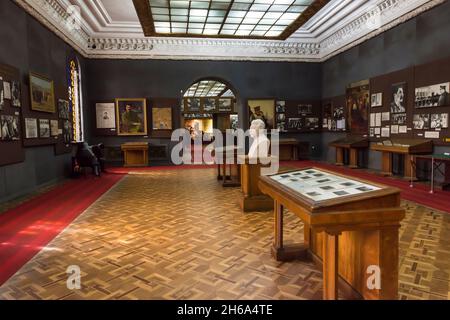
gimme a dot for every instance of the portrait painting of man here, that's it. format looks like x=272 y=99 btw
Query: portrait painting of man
x=131 y=116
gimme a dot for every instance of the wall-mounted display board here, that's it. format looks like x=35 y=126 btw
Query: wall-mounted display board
x=209 y=105
x=334 y=115
x=431 y=107
x=298 y=116
x=10 y=108
x=358 y=104
x=162 y=117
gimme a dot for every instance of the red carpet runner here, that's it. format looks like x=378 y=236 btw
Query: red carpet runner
x=28 y=228
x=440 y=200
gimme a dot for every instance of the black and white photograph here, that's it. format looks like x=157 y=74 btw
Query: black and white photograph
x=433 y=96
x=281 y=126
x=105 y=115
x=439 y=121
x=63 y=109
x=399 y=118
x=44 y=128
x=295 y=123
x=304 y=109
x=67 y=132
x=7 y=90
x=9 y=127
x=31 y=128
x=421 y=121
x=398 y=103
x=192 y=104
x=311 y=123
x=54 y=128
x=234 y=121
x=16 y=94
x=281 y=117
x=209 y=105
x=376 y=100
x=225 y=105
x=2 y=95
x=280 y=106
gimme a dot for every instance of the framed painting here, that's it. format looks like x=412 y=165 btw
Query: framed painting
x=131 y=116
x=263 y=109
x=358 y=103
x=162 y=118
x=42 y=94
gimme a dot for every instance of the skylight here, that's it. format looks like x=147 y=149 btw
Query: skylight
x=208 y=88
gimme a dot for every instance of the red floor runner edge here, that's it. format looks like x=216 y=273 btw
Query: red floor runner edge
x=28 y=228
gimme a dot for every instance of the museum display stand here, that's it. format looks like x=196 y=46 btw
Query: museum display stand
x=288 y=149
x=135 y=154
x=405 y=147
x=252 y=198
x=228 y=171
x=353 y=144
x=350 y=228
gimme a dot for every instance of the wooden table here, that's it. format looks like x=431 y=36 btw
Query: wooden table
x=252 y=198
x=232 y=176
x=288 y=149
x=135 y=154
x=405 y=147
x=347 y=234
x=353 y=144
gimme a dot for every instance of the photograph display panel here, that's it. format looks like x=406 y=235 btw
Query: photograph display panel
x=433 y=96
x=320 y=185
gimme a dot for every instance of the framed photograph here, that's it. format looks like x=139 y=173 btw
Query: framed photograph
x=44 y=128
x=263 y=109
x=399 y=118
x=225 y=105
x=54 y=128
x=376 y=100
x=312 y=123
x=209 y=105
x=63 y=109
x=42 y=94
x=131 y=115
x=162 y=118
x=2 y=95
x=192 y=104
x=7 y=90
x=304 y=109
x=421 y=121
x=358 y=104
x=234 y=121
x=439 y=121
x=280 y=106
x=16 y=94
x=398 y=102
x=67 y=132
x=9 y=127
x=433 y=96
x=105 y=115
x=31 y=128
x=295 y=124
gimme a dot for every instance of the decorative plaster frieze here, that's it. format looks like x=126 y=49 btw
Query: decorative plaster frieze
x=378 y=18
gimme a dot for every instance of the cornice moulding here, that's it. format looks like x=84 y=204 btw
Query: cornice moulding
x=128 y=42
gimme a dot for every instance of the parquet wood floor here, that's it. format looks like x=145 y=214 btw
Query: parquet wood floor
x=179 y=235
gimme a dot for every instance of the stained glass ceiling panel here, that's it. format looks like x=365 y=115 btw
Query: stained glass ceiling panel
x=226 y=18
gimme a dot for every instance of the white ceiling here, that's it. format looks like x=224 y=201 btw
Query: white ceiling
x=111 y=29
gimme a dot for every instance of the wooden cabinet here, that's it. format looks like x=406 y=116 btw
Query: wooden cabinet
x=353 y=144
x=135 y=154
x=405 y=147
x=288 y=149
x=350 y=228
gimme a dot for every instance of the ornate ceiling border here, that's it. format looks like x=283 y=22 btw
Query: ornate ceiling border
x=390 y=13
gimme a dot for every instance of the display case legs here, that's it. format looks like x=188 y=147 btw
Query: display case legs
x=330 y=266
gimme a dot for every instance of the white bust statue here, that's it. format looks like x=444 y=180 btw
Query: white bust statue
x=260 y=146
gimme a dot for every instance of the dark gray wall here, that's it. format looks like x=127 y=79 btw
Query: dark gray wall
x=420 y=40
x=109 y=79
x=29 y=46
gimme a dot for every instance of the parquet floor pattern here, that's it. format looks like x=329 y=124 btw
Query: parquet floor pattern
x=179 y=235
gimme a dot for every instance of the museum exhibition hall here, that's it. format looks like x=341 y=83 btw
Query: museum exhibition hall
x=224 y=150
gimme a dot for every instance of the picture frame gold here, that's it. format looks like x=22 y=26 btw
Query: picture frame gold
x=42 y=93
x=136 y=110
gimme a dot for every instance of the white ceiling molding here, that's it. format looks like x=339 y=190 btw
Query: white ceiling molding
x=340 y=25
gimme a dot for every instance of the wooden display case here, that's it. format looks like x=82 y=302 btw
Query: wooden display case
x=405 y=147
x=135 y=154
x=288 y=149
x=353 y=144
x=228 y=171
x=351 y=225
